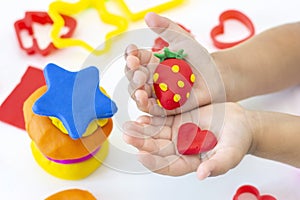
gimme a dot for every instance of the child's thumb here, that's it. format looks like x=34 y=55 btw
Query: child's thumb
x=165 y=28
x=220 y=163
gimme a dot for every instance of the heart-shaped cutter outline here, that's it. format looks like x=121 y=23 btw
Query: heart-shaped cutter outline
x=219 y=29
x=41 y=18
x=251 y=190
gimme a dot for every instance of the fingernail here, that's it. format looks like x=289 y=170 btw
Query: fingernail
x=136 y=95
x=203 y=175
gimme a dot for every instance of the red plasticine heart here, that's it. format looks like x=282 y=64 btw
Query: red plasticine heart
x=219 y=29
x=42 y=18
x=192 y=140
x=249 y=189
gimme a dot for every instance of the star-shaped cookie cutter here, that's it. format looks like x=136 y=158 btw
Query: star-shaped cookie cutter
x=59 y=8
x=140 y=14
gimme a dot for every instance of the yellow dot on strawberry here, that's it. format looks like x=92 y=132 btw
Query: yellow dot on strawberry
x=158 y=103
x=176 y=97
x=163 y=87
x=155 y=77
x=175 y=68
x=187 y=95
x=192 y=78
x=180 y=84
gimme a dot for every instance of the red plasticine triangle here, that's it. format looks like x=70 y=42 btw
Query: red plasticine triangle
x=192 y=140
x=11 y=110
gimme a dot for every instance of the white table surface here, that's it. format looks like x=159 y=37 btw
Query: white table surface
x=122 y=176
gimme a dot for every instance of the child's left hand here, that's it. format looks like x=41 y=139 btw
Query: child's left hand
x=210 y=81
x=156 y=140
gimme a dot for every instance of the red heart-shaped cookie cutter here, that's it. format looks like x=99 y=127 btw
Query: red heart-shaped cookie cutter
x=219 y=29
x=42 y=18
x=249 y=189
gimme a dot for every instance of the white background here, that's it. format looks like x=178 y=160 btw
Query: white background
x=22 y=178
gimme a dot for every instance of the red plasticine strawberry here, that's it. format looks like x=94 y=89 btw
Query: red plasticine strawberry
x=172 y=80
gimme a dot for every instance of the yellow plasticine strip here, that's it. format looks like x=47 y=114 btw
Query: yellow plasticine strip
x=58 y=8
x=139 y=15
x=70 y=171
x=89 y=130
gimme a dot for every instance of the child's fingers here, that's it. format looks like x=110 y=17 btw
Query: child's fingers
x=137 y=59
x=146 y=103
x=131 y=50
x=143 y=95
x=167 y=29
x=145 y=56
x=150 y=106
x=159 y=147
x=156 y=121
x=132 y=62
x=139 y=130
x=141 y=98
x=222 y=161
x=170 y=165
x=139 y=81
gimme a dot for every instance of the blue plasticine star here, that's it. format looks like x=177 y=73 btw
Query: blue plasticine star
x=74 y=98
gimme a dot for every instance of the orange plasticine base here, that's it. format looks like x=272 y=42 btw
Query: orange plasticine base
x=70 y=171
x=74 y=194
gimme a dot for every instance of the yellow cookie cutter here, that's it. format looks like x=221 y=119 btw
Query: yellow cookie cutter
x=139 y=15
x=59 y=7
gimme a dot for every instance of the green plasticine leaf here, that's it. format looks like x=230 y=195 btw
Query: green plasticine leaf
x=167 y=54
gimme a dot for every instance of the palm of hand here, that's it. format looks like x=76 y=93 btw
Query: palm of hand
x=156 y=140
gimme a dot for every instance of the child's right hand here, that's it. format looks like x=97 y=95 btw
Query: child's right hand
x=156 y=138
x=141 y=64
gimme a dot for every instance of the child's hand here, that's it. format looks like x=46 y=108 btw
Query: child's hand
x=141 y=65
x=156 y=140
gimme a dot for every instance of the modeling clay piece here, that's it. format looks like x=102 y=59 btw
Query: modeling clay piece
x=192 y=140
x=11 y=110
x=58 y=8
x=249 y=189
x=26 y=24
x=74 y=194
x=172 y=80
x=159 y=43
x=72 y=101
x=219 y=29
x=74 y=98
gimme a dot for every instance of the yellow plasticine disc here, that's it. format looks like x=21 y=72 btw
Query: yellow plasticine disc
x=70 y=171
